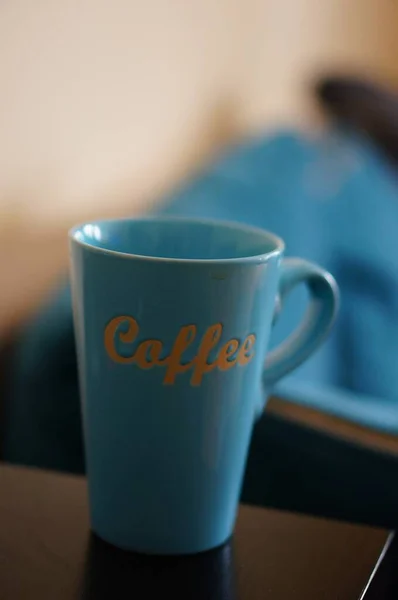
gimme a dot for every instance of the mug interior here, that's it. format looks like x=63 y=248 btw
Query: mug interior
x=178 y=239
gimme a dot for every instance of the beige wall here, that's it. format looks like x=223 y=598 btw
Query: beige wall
x=105 y=103
x=123 y=96
x=101 y=95
x=293 y=40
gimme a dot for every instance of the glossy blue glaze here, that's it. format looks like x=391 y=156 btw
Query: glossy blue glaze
x=166 y=443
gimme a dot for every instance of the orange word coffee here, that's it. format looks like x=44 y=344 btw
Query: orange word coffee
x=148 y=353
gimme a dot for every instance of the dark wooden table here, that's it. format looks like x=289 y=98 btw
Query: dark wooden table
x=47 y=552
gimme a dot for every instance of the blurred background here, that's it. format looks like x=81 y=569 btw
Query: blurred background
x=281 y=113
x=106 y=106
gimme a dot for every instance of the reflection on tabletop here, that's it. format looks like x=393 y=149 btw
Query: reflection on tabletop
x=113 y=573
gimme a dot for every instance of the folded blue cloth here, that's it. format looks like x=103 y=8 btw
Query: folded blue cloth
x=334 y=201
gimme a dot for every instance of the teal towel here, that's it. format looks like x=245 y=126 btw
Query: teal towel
x=333 y=200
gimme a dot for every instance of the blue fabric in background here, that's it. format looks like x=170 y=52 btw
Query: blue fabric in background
x=334 y=201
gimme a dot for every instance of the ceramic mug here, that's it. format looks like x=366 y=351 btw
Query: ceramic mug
x=172 y=323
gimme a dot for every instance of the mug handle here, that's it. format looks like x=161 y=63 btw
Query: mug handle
x=324 y=301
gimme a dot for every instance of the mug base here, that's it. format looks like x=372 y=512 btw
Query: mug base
x=133 y=549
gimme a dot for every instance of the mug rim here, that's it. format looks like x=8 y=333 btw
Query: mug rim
x=279 y=244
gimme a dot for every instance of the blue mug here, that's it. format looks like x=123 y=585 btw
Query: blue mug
x=172 y=322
